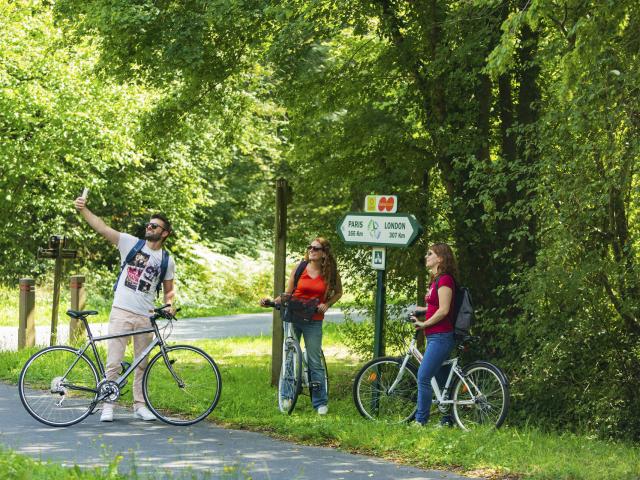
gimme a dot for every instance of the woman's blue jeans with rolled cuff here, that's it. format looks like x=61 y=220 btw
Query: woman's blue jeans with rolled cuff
x=439 y=346
x=312 y=334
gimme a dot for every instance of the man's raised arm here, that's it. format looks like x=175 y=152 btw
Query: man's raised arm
x=96 y=222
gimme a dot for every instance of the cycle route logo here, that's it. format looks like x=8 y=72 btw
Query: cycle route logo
x=374 y=229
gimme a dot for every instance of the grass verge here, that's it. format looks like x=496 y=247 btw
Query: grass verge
x=21 y=467
x=248 y=402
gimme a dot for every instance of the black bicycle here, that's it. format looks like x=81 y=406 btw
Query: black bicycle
x=60 y=386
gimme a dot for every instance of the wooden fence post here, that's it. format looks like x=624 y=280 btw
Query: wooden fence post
x=26 y=320
x=78 y=301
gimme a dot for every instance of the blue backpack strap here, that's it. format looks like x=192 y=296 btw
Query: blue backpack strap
x=130 y=256
x=301 y=266
x=164 y=266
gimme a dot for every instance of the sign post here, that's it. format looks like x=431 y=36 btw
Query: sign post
x=56 y=250
x=379 y=230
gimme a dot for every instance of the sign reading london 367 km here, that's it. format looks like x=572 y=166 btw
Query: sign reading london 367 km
x=382 y=229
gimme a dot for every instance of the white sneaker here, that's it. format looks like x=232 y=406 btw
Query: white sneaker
x=143 y=413
x=323 y=410
x=107 y=413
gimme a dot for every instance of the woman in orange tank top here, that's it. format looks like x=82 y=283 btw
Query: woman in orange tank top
x=319 y=280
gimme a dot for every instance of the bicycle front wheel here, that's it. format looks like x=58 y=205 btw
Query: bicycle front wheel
x=290 y=382
x=326 y=373
x=184 y=388
x=483 y=398
x=374 y=397
x=58 y=386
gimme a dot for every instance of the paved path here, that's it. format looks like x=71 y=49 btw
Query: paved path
x=249 y=324
x=198 y=451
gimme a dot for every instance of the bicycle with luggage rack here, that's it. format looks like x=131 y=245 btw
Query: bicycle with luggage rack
x=386 y=388
x=60 y=385
x=294 y=370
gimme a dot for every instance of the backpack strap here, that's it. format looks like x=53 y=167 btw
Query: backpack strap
x=164 y=266
x=301 y=266
x=130 y=256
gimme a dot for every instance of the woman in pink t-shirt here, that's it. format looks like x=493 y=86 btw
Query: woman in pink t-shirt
x=437 y=324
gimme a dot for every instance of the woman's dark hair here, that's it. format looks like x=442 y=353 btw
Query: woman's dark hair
x=329 y=265
x=165 y=220
x=448 y=262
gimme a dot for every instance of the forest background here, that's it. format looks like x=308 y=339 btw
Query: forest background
x=510 y=128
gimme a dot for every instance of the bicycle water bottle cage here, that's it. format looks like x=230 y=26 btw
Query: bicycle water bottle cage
x=125 y=366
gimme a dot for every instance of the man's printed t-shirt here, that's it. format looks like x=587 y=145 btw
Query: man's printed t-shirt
x=136 y=290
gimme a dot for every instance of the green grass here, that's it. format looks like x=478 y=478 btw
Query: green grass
x=14 y=466
x=248 y=401
x=21 y=467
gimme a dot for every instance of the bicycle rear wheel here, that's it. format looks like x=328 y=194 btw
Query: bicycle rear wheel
x=371 y=390
x=58 y=386
x=483 y=399
x=185 y=390
x=290 y=382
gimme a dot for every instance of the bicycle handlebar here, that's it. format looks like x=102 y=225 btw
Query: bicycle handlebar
x=271 y=303
x=160 y=312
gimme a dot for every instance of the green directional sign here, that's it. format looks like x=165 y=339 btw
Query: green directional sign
x=379 y=229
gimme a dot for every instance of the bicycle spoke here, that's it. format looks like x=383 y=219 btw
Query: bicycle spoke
x=290 y=375
x=187 y=404
x=489 y=402
x=51 y=397
x=376 y=399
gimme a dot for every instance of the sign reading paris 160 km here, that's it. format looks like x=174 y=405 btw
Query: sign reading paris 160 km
x=382 y=229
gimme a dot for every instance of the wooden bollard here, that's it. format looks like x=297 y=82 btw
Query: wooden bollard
x=78 y=301
x=26 y=320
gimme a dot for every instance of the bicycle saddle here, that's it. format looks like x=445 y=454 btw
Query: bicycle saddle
x=81 y=313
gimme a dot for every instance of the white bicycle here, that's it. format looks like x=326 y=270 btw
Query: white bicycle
x=294 y=371
x=386 y=388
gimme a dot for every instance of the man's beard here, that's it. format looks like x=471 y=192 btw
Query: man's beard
x=154 y=237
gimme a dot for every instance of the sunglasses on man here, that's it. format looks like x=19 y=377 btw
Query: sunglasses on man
x=153 y=226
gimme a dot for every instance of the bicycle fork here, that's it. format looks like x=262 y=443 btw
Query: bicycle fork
x=399 y=376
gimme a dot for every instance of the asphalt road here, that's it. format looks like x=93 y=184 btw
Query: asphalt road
x=200 y=451
x=249 y=324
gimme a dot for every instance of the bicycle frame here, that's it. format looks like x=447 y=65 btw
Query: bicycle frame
x=157 y=341
x=441 y=395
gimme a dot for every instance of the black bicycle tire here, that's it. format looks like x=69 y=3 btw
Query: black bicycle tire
x=24 y=370
x=292 y=344
x=502 y=380
x=358 y=381
x=160 y=356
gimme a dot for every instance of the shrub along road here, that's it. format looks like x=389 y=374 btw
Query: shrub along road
x=200 y=451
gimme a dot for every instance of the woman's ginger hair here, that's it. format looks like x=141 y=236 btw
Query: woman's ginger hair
x=448 y=262
x=329 y=265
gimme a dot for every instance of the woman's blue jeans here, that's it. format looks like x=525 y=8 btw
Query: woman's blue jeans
x=312 y=334
x=439 y=346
